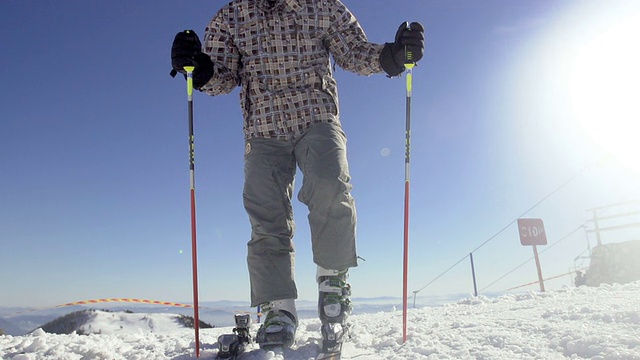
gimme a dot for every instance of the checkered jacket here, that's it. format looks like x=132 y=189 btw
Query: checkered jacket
x=280 y=57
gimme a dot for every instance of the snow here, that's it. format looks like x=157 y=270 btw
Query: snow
x=112 y=323
x=572 y=323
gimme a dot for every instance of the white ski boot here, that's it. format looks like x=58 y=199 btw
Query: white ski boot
x=279 y=328
x=334 y=306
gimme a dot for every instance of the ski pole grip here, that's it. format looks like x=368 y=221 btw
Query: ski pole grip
x=408 y=55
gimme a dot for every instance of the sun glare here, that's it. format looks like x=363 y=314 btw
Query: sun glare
x=605 y=90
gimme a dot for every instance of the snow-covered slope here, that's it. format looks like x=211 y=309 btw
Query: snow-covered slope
x=582 y=323
x=114 y=323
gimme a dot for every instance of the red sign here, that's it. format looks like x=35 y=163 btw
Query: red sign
x=532 y=232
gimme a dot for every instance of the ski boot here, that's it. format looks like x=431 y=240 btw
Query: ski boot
x=279 y=328
x=334 y=307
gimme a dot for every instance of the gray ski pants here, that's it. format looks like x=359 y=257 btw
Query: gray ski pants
x=270 y=167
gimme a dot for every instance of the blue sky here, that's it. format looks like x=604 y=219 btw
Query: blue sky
x=94 y=186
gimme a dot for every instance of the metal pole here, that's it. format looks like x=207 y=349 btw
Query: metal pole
x=540 y=279
x=194 y=247
x=473 y=275
x=597 y=230
x=409 y=64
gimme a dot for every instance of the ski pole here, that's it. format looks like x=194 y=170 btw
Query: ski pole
x=409 y=64
x=194 y=250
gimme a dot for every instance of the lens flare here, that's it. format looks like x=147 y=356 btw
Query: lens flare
x=605 y=90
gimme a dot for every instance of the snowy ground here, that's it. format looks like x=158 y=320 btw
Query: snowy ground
x=584 y=323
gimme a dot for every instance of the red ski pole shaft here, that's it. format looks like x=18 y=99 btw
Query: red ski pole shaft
x=194 y=245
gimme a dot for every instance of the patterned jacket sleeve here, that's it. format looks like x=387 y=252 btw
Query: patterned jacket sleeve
x=348 y=43
x=218 y=43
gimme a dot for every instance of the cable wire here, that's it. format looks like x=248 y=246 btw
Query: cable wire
x=526 y=262
x=509 y=225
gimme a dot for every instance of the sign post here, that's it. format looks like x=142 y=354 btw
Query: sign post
x=532 y=234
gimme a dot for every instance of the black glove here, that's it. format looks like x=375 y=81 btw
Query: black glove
x=409 y=40
x=187 y=51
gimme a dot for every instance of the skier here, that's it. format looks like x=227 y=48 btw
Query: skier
x=279 y=52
